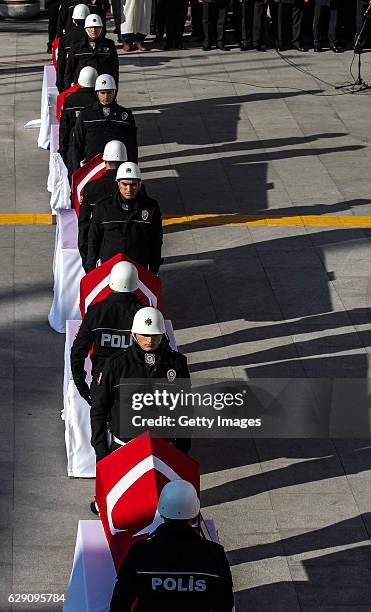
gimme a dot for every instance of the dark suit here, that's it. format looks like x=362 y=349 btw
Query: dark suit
x=214 y=16
x=52 y=7
x=290 y=17
x=117 y=16
x=175 y=15
x=322 y=6
x=196 y=17
x=252 y=22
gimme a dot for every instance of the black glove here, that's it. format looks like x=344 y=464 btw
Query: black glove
x=83 y=389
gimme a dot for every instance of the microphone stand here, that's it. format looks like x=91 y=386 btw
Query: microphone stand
x=359 y=82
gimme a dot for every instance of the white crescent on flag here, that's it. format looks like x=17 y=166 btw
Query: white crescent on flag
x=146 y=465
x=88 y=177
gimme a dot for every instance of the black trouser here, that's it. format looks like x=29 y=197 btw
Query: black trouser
x=53 y=12
x=214 y=18
x=361 y=19
x=196 y=15
x=253 y=13
x=158 y=18
x=133 y=39
x=273 y=9
x=332 y=26
x=117 y=16
x=290 y=17
x=175 y=14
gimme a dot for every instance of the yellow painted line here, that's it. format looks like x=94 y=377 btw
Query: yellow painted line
x=26 y=219
x=230 y=220
x=270 y=220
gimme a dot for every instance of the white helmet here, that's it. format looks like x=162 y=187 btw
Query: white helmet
x=87 y=76
x=123 y=277
x=148 y=321
x=105 y=82
x=178 y=500
x=128 y=170
x=93 y=21
x=81 y=11
x=115 y=151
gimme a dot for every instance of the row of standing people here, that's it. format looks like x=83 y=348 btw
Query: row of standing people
x=288 y=21
x=283 y=23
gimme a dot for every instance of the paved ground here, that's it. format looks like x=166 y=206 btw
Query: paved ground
x=219 y=133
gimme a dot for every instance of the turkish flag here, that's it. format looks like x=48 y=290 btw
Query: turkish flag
x=55 y=44
x=61 y=98
x=94 y=285
x=128 y=486
x=90 y=171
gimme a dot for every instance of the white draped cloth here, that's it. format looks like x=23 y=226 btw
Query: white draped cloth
x=136 y=16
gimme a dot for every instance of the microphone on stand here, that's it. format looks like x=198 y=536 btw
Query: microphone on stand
x=368 y=9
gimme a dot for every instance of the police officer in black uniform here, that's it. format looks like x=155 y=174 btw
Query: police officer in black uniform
x=94 y=49
x=72 y=107
x=77 y=32
x=127 y=222
x=113 y=155
x=175 y=569
x=96 y=7
x=290 y=18
x=362 y=26
x=105 y=120
x=214 y=18
x=106 y=326
x=149 y=357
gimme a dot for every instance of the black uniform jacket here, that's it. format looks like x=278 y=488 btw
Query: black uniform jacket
x=333 y=4
x=94 y=129
x=137 y=232
x=74 y=35
x=103 y=57
x=106 y=327
x=129 y=364
x=293 y=2
x=93 y=192
x=65 y=22
x=175 y=570
x=73 y=104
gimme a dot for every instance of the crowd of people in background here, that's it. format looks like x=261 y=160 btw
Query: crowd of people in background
x=252 y=24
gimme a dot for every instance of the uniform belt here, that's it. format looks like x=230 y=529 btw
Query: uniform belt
x=118 y=441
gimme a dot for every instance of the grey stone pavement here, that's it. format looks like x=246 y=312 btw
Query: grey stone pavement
x=219 y=133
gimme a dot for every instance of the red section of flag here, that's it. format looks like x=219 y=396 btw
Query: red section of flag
x=55 y=44
x=94 y=285
x=128 y=486
x=61 y=98
x=90 y=171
